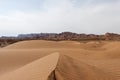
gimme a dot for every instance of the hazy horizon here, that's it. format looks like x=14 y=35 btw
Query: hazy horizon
x=55 y=16
x=15 y=35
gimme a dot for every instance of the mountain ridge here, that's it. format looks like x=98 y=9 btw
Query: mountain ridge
x=4 y=40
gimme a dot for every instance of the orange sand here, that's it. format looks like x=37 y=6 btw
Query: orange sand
x=64 y=60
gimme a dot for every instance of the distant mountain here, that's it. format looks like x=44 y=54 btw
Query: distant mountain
x=4 y=40
x=69 y=36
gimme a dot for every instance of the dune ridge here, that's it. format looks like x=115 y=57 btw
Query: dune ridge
x=37 y=70
x=29 y=60
x=72 y=69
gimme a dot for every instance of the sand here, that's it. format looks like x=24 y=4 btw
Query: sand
x=60 y=60
x=36 y=70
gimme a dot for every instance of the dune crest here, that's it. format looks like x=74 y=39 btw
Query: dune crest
x=37 y=70
x=37 y=60
x=72 y=69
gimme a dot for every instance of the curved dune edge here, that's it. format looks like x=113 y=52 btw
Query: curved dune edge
x=104 y=61
x=71 y=69
x=37 y=44
x=57 y=67
x=37 y=70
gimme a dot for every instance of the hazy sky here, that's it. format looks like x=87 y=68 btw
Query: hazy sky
x=81 y=16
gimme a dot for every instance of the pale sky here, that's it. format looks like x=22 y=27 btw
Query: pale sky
x=80 y=16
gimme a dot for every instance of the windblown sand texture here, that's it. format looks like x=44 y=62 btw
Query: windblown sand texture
x=60 y=60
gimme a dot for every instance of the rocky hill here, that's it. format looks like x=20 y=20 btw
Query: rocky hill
x=58 y=37
x=69 y=36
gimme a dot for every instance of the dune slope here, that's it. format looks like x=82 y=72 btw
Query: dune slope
x=71 y=69
x=37 y=60
x=37 y=70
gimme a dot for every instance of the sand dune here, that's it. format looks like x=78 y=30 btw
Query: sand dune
x=71 y=69
x=37 y=70
x=36 y=44
x=37 y=60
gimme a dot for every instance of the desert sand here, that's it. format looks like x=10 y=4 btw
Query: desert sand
x=60 y=60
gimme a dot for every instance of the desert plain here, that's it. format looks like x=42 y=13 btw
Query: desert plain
x=60 y=60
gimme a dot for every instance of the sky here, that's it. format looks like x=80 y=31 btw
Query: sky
x=55 y=16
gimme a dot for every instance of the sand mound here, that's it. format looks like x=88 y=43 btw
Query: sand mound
x=37 y=70
x=37 y=44
x=71 y=69
x=13 y=59
x=60 y=68
x=36 y=60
